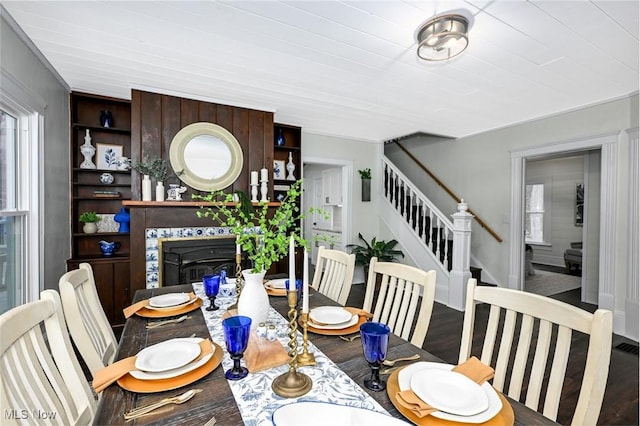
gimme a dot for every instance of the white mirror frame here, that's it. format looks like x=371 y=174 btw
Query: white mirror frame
x=181 y=168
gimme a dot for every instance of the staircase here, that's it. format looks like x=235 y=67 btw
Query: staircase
x=429 y=237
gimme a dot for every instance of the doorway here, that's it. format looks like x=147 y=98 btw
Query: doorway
x=603 y=250
x=327 y=186
x=558 y=234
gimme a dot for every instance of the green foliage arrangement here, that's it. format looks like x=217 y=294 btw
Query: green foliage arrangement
x=383 y=250
x=262 y=232
x=156 y=168
x=89 y=217
x=365 y=173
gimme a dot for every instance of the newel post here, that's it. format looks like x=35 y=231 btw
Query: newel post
x=460 y=273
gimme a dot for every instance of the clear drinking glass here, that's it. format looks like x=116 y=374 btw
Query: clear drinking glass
x=375 y=339
x=211 y=288
x=236 y=336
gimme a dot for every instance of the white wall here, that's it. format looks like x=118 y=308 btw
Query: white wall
x=44 y=86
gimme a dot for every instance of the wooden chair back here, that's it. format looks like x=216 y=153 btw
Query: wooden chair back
x=402 y=289
x=334 y=274
x=549 y=317
x=39 y=368
x=88 y=324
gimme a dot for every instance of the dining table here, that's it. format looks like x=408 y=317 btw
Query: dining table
x=217 y=398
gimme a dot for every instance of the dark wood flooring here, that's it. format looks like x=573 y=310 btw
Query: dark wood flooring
x=620 y=406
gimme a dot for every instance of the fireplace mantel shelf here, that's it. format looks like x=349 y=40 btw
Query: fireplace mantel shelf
x=155 y=204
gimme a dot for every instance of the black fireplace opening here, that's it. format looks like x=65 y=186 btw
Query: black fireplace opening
x=187 y=260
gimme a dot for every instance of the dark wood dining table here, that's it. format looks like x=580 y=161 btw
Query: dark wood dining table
x=216 y=398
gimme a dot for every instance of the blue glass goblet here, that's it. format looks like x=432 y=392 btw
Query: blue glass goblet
x=211 y=288
x=236 y=336
x=375 y=338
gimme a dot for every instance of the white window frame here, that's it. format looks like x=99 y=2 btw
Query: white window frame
x=28 y=200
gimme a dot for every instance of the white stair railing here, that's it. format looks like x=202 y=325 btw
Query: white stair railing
x=428 y=223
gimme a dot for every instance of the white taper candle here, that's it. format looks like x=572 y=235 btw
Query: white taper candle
x=292 y=264
x=305 y=283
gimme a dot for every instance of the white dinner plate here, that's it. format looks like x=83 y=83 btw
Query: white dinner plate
x=495 y=404
x=279 y=283
x=354 y=320
x=168 y=308
x=168 y=300
x=449 y=391
x=167 y=355
x=332 y=315
x=145 y=375
x=311 y=413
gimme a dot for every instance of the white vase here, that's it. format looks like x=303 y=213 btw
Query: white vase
x=87 y=150
x=146 y=188
x=291 y=167
x=90 y=228
x=159 y=191
x=254 y=301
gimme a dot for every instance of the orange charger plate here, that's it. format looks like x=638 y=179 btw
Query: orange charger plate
x=341 y=331
x=504 y=418
x=164 y=313
x=132 y=384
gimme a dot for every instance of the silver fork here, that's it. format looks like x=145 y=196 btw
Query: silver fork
x=211 y=422
x=165 y=322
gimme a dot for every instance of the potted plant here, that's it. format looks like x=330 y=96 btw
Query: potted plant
x=383 y=250
x=90 y=220
x=152 y=168
x=365 y=175
x=263 y=233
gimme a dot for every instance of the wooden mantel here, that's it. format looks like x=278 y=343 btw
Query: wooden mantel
x=155 y=204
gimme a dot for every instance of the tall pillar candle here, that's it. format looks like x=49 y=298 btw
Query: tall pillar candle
x=264 y=175
x=305 y=283
x=292 y=263
x=254 y=177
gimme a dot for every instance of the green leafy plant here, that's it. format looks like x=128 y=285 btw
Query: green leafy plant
x=156 y=168
x=383 y=250
x=365 y=173
x=262 y=232
x=89 y=217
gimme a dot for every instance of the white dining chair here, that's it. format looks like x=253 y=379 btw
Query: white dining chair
x=88 y=324
x=404 y=300
x=550 y=318
x=39 y=368
x=333 y=275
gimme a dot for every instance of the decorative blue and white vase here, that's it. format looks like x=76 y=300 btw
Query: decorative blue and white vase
x=280 y=138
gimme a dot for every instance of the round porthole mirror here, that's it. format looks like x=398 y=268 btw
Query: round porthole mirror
x=206 y=156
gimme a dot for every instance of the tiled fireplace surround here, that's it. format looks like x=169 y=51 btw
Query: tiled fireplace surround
x=153 y=237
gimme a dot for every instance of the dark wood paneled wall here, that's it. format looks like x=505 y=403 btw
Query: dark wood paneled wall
x=155 y=120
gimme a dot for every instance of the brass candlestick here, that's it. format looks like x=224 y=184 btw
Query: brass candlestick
x=292 y=383
x=305 y=358
x=238 y=280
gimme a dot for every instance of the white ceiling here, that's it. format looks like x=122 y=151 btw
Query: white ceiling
x=347 y=68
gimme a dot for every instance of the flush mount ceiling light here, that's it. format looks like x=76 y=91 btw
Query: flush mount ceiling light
x=443 y=37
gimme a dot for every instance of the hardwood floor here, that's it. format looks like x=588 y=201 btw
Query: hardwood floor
x=620 y=406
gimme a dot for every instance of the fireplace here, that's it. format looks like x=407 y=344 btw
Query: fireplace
x=187 y=260
x=184 y=255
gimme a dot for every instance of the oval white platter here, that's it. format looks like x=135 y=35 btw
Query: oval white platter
x=167 y=355
x=495 y=404
x=449 y=391
x=145 y=375
x=330 y=315
x=168 y=300
x=312 y=413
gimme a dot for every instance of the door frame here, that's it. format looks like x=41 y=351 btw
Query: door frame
x=608 y=144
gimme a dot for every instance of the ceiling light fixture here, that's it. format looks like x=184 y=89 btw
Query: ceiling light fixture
x=443 y=37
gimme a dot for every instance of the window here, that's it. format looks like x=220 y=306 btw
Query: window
x=534 y=213
x=16 y=253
